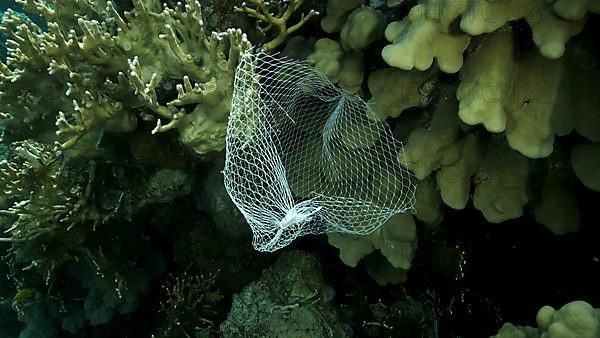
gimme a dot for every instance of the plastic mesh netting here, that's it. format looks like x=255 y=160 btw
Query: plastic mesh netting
x=305 y=157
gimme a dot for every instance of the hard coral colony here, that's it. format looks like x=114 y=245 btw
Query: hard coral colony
x=468 y=129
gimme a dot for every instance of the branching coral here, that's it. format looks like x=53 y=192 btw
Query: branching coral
x=56 y=218
x=113 y=67
x=35 y=179
x=191 y=305
x=275 y=16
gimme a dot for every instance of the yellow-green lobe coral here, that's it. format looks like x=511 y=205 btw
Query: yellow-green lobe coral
x=575 y=319
x=437 y=143
x=344 y=68
x=578 y=105
x=488 y=15
x=396 y=240
x=427 y=32
x=326 y=56
x=363 y=26
x=454 y=180
x=529 y=127
x=557 y=190
x=576 y=9
x=501 y=183
x=515 y=95
x=585 y=158
x=428 y=203
x=550 y=32
x=394 y=90
x=486 y=80
x=418 y=39
x=337 y=12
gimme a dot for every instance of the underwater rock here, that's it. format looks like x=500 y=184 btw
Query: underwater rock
x=290 y=299
x=213 y=199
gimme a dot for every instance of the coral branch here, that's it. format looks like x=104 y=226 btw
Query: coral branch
x=279 y=21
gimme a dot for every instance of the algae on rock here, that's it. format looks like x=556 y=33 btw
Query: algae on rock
x=290 y=299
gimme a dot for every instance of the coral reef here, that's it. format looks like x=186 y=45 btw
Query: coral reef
x=115 y=221
x=486 y=137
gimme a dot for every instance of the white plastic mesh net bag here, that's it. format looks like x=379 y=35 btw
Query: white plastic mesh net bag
x=305 y=157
